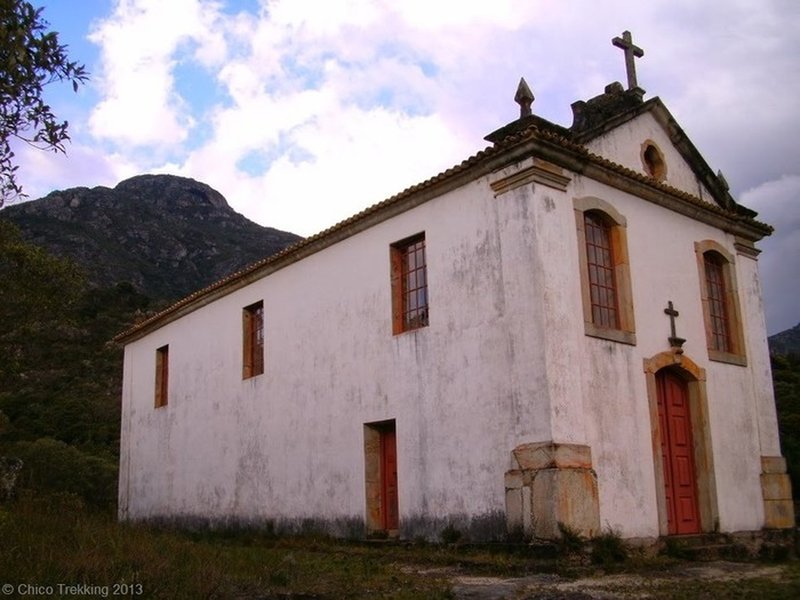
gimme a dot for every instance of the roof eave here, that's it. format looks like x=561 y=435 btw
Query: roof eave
x=531 y=142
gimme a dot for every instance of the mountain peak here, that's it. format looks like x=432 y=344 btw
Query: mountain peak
x=786 y=342
x=167 y=235
x=172 y=190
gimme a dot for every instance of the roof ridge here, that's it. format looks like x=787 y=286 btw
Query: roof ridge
x=514 y=139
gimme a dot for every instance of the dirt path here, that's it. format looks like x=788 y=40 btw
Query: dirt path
x=661 y=584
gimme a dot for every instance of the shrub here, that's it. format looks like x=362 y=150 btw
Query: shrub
x=571 y=542
x=609 y=548
x=52 y=467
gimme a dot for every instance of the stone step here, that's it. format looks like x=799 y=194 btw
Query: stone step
x=706 y=547
x=697 y=539
x=716 y=552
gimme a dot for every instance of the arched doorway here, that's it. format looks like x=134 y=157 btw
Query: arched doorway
x=677 y=453
x=685 y=487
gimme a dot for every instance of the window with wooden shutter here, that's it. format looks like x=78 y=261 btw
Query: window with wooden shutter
x=253 y=340
x=717 y=310
x=409 y=284
x=720 y=301
x=605 y=275
x=600 y=261
x=162 y=376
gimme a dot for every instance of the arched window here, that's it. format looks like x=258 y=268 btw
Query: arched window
x=720 y=303
x=717 y=309
x=600 y=261
x=605 y=273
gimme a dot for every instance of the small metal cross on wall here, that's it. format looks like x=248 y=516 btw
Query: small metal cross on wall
x=631 y=51
x=674 y=340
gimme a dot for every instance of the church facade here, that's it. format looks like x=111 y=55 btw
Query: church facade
x=566 y=327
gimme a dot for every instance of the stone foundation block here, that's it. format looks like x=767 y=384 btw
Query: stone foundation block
x=566 y=496
x=778 y=514
x=554 y=484
x=514 y=509
x=773 y=464
x=548 y=455
x=776 y=488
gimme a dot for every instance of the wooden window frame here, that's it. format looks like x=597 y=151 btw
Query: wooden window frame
x=603 y=293
x=719 y=315
x=253 y=340
x=625 y=329
x=162 y=377
x=735 y=352
x=408 y=315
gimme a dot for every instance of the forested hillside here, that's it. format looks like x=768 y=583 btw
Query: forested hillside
x=786 y=380
x=76 y=268
x=60 y=376
x=786 y=342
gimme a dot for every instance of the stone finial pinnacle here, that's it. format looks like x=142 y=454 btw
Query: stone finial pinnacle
x=723 y=181
x=524 y=97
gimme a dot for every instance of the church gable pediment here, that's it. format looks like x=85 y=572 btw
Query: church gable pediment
x=640 y=136
x=646 y=144
x=647 y=139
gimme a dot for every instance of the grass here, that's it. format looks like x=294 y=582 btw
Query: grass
x=47 y=542
x=53 y=541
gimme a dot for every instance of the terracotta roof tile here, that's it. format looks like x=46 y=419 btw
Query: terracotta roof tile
x=505 y=144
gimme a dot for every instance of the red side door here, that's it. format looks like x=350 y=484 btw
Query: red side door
x=389 y=511
x=677 y=452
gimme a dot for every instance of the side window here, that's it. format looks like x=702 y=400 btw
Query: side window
x=603 y=294
x=718 y=313
x=721 y=312
x=604 y=271
x=253 y=340
x=162 y=376
x=409 y=280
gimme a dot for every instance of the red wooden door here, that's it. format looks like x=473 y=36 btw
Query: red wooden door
x=389 y=511
x=677 y=452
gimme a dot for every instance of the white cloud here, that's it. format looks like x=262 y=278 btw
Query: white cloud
x=82 y=166
x=140 y=105
x=305 y=111
x=330 y=166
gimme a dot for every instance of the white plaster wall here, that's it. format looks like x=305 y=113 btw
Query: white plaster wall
x=289 y=444
x=758 y=353
x=664 y=267
x=504 y=361
x=624 y=146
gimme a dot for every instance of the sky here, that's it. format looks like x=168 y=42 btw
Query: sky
x=304 y=112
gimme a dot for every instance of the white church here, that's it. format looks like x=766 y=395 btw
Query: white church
x=566 y=327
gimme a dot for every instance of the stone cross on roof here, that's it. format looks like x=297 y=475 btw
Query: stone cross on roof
x=631 y=51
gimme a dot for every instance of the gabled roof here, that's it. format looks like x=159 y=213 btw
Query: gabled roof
x=526 y=137
x=615 y=107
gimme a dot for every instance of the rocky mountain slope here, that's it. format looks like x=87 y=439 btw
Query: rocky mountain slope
x=166 y=235
x=786 y=342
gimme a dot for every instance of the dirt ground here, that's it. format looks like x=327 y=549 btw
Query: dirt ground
x=708 y=580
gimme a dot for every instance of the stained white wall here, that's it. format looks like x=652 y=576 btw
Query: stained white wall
x=289 y=443
x=504 y=361
x=624 y=146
